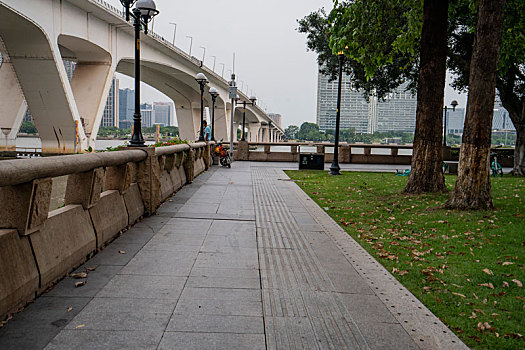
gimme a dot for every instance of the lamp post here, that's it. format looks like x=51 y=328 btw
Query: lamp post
x=142 y=14
x=454 y=105
x=214 y=94
x=253 y=100
x=233 y=98
x=203 y=54
x=191 y=43
x=174 y=31
x=203 y=81
x=334 y=168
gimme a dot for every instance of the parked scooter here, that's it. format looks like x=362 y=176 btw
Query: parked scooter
x=224 y=157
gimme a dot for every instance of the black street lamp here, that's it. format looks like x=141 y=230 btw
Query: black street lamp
x=253 y=100
x=143 y=13
x=203 y=81
x=454 y=105
x=214 y=94
x=334 y=168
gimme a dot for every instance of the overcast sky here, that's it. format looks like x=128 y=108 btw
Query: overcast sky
x=271 y=55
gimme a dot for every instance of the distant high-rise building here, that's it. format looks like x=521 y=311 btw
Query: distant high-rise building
x=277 y=119
x=455 y=121
x=354 y=108
x=163 y=113
x=70 y=68
x=500 y=120
x=126 y=106
x=28 y=117
x=397 y=112
x=111 y=112
x=146 y=110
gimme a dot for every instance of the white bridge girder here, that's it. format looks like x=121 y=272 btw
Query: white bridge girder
x=38 y=34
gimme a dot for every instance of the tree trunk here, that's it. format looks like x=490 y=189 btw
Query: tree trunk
x=427 y=159
x=519 y=151
x=473 y=188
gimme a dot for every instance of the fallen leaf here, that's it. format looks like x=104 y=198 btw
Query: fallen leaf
x=488 y=285
x=505 y=284
x=459 y=295
x=520 y=298
x=91 y=268
x=518 y=283
x=507 y=263
x=488 y=272
x=79 y=275
x=121 y=252
x=80 y=284
x=69 y=309
x=80 y=326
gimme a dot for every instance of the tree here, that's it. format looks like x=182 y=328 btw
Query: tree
x=473 y=187
x=427 y=155
x=28 y=128
x=383 y=34
x=290 y=133
x=510 y=81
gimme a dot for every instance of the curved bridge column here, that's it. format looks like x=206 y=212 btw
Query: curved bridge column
x=222 y=124
x=13 y=104
x=38 y=65
x=189 y=120
x=91 y=80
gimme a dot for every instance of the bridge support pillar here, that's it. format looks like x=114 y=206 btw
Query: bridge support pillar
x=189 y=120
x=254 y=132
x=222 y=124
x=13 y=105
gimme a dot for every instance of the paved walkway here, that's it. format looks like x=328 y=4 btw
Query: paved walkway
x=241 y=259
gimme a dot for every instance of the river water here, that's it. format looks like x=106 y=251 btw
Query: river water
x=29 y=143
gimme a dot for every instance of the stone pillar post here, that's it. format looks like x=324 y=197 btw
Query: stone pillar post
x=243 y=151
x=189 y=165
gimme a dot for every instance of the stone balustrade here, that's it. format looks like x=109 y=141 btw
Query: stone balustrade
x=104 y=194
x=348 y=153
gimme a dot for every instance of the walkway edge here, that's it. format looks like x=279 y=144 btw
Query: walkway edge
x=420 y=323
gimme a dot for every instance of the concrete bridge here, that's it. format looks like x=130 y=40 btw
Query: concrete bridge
x=37 y=35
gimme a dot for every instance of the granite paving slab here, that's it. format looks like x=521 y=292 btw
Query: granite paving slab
x=240 y=259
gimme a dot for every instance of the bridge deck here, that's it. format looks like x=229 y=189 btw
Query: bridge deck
x=241 y=259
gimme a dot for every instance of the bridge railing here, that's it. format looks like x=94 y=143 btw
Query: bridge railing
x=56 y=212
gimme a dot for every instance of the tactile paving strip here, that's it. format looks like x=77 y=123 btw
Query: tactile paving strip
x=418 y=321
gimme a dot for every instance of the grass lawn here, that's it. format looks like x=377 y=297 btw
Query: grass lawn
x=467 y=267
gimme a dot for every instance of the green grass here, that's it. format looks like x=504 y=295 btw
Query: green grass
x=467 y=267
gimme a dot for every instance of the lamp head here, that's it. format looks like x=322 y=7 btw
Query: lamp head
x=253 y=99
x=454 y=104
x=147 y=9
x=127 y=3
x=213 y=92
x=201 y=78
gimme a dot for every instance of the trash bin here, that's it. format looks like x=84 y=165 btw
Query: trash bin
x=311 y=161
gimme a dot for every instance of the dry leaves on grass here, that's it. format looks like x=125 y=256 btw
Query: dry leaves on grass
x=459 y=295
x=507 y=263
x=518 y=283
x=488 y=285
x=488 y=272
